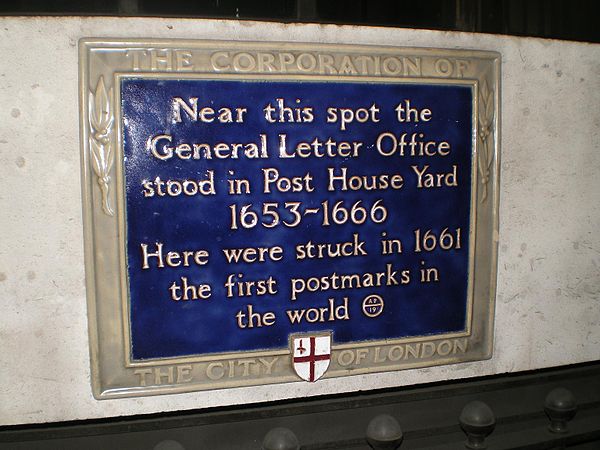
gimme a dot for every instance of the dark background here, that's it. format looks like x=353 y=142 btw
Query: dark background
x=558 y=19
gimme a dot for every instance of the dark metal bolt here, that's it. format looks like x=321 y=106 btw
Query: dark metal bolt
x=560 y=407
x=477 y=421
x=280 y=439
x=384 y=433
x=168 y=445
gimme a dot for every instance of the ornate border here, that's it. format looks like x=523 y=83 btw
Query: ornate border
x=101 y=117
x=485 y=133
x=102 y=61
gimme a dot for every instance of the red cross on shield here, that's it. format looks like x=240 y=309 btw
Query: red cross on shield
x=311 y=354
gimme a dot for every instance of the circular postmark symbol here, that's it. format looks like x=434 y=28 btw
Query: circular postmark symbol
x=372 y=305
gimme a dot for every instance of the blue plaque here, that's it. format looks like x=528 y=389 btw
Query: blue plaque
x=397 y=162
x=258 y=217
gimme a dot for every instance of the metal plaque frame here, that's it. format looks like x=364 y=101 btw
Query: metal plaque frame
x=103 y=62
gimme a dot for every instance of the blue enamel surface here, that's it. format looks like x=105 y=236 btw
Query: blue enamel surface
x=161 y=327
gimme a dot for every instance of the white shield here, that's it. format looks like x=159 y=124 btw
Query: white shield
x=311 y=354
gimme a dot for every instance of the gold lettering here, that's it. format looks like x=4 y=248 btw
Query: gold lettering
x=183 y=61
x=142 y=374
x=161 y=60
x=215 y=371
x=184 y=374
x=160 y=374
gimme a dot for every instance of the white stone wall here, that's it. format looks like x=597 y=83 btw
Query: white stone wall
x=548 y=301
